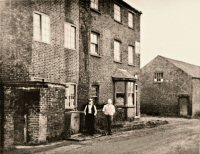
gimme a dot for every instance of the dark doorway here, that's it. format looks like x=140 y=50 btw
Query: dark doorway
x=183 y=106
x=26 y=103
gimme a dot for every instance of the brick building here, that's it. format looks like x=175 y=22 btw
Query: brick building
x=170 y=87
x=109 y=54
x=56 y=54
x=39 y=65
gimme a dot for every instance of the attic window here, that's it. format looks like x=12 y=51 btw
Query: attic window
x=158 y=77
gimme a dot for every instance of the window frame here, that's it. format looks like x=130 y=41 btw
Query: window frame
x=68 y=36
x=97 y=94
x=93 y=43
x=75 y=105
x=158 y=77
x=43 y=27
x=117 y=14
x=120 y=56
x=95 y=3
x=132 y=26
x=133 y=55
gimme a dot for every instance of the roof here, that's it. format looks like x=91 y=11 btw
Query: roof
x=129 y=6
x=121 y=74
x=190 y=69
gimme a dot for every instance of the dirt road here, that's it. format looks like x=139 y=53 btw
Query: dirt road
x=180 y=136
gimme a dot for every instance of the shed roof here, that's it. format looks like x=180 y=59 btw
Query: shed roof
x=190 y=69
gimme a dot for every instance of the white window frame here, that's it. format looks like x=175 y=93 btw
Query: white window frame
x=41 y=27
x=131 y=20
x=69 y=36
x=117 y=13
x=94 y=43
x=131 y=55
x=94 y=4
x=68 y=104
x=158 y=77
x=117 y=51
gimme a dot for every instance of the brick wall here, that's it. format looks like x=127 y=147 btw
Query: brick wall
x=15 y=40
x=162 y=98
x=98 y=70
x=53 y=107
x=195 y=96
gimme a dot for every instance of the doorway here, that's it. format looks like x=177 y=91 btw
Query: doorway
x=26 y=103
x=183 y=105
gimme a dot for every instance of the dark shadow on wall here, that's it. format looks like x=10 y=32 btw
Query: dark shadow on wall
x=1 y=118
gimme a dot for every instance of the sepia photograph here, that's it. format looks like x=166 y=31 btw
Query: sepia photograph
x=99 y=77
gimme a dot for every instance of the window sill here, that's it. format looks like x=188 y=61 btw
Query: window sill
x=118 y=62
x=124 y=106
x=70 y=49
x=40 y=41
x=157 y=82
x=119 y=22
x=132 y=65
x=132 y=28
x=94 y=55
x=95 y=10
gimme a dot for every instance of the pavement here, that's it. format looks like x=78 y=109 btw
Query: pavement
x=77 y=140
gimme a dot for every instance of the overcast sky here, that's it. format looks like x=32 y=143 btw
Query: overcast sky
x=170 y=28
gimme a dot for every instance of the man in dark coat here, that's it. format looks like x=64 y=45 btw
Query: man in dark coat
x=90 y=112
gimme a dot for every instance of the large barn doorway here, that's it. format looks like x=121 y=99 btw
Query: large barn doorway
x=183 y=105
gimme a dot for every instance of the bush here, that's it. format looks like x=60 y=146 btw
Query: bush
x=197 y=114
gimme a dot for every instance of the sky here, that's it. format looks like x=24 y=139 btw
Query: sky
x=170 y=28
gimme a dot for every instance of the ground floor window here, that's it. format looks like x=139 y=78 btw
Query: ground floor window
x=95 y=94
x=71 y=96
x=125 y=93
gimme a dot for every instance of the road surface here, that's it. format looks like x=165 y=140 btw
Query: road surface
x=180 y=136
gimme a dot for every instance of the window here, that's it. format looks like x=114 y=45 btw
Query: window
x=117 y=13
x=41 y=27
x=70 y=36
x=131 y=55
x=94 y=47
x=158 y=77
x=70 y=96
x=94 y=4
x=117 y=54
x=95 y=93
x=131 y=20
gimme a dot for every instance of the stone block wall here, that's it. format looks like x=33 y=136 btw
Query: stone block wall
x=162 y=98
x=195 y=96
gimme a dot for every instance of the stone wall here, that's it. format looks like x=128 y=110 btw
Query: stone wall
x=195 y=96
x=162 y=98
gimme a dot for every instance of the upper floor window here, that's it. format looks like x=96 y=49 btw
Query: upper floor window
x=94 y=46
x=117 y=12
x=131 y=55
x=131 y=20
x=94 y=4
x=158 y=77
x=41 y=27
x=117 y=53
x=70 y=36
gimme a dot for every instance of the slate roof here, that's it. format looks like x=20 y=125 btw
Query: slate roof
x=190 y=69
x=123 y=74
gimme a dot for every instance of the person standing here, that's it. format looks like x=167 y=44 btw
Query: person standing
x=90 y=112
x=109 y=111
